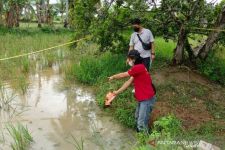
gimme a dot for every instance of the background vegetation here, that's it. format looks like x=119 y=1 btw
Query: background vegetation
x=109 y=25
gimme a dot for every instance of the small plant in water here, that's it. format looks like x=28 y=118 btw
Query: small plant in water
x=5 y=98
x=25 y=65
x=23 y=84
x=78 y=145
x=20 y=135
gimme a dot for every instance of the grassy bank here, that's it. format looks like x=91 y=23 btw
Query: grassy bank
x=174 y=97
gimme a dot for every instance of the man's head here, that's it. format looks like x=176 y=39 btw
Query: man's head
x=136 y=23
x=134 y=58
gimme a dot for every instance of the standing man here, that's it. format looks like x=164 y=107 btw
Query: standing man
x=142 y=40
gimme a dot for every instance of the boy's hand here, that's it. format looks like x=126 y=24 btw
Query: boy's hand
x=110 y=78
x=127 y=61
x=115 y=92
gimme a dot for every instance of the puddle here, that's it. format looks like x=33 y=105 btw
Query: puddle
x=54 y=113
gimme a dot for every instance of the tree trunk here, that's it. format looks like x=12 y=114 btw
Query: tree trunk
x=48 y=15
x=190 y=52
x=67 y=14
x=38 y=7
x=43 y=11
x=1 y=12
x=17 y=13
x=11 y=16
x=179 y=50
x=203 y=50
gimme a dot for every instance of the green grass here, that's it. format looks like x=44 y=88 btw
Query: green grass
x=214 y=66
x=215 y=108
x=166 y=128
x=22 y=40
x=92 y=70
x=20 y=135
x=164 y=49
x=27 y=25
x=28 y=40
x=164 y=52
x=23 y=84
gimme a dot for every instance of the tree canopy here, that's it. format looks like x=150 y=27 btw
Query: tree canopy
x=179 y=20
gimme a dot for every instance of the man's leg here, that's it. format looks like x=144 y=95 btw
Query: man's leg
x=146 y=62
x=145 y=109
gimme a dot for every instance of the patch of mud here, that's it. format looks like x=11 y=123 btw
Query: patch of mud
x=180 y=74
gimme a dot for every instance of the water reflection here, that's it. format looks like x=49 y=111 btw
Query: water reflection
x=56 y=113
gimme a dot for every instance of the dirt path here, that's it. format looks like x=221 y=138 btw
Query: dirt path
x=191 y=97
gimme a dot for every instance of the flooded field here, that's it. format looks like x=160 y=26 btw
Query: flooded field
x=58 y=115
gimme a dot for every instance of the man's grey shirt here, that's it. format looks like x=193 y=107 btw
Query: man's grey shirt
x=147 y=37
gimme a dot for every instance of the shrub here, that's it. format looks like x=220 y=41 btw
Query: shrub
x=214 y=68
x=168 y=126
x=165 y=129
x=92 y=70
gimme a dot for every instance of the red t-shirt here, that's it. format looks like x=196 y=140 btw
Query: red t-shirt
x=142 y=82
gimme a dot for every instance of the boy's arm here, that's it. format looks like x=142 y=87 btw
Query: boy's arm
x=119 y=76
x=124 y=86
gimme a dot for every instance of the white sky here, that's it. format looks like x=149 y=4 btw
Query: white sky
x=55 y=1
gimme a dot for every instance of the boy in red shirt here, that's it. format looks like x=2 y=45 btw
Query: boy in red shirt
x=144 y=89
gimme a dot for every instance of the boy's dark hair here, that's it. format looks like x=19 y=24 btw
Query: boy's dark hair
x=136 y=21
x=134 y=54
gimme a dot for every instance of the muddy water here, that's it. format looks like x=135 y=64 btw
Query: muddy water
x=54 y=112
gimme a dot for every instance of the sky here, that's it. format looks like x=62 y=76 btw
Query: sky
x=55 y=1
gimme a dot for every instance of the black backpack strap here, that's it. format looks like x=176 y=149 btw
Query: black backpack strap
x=140 y=38
x=144 y=45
